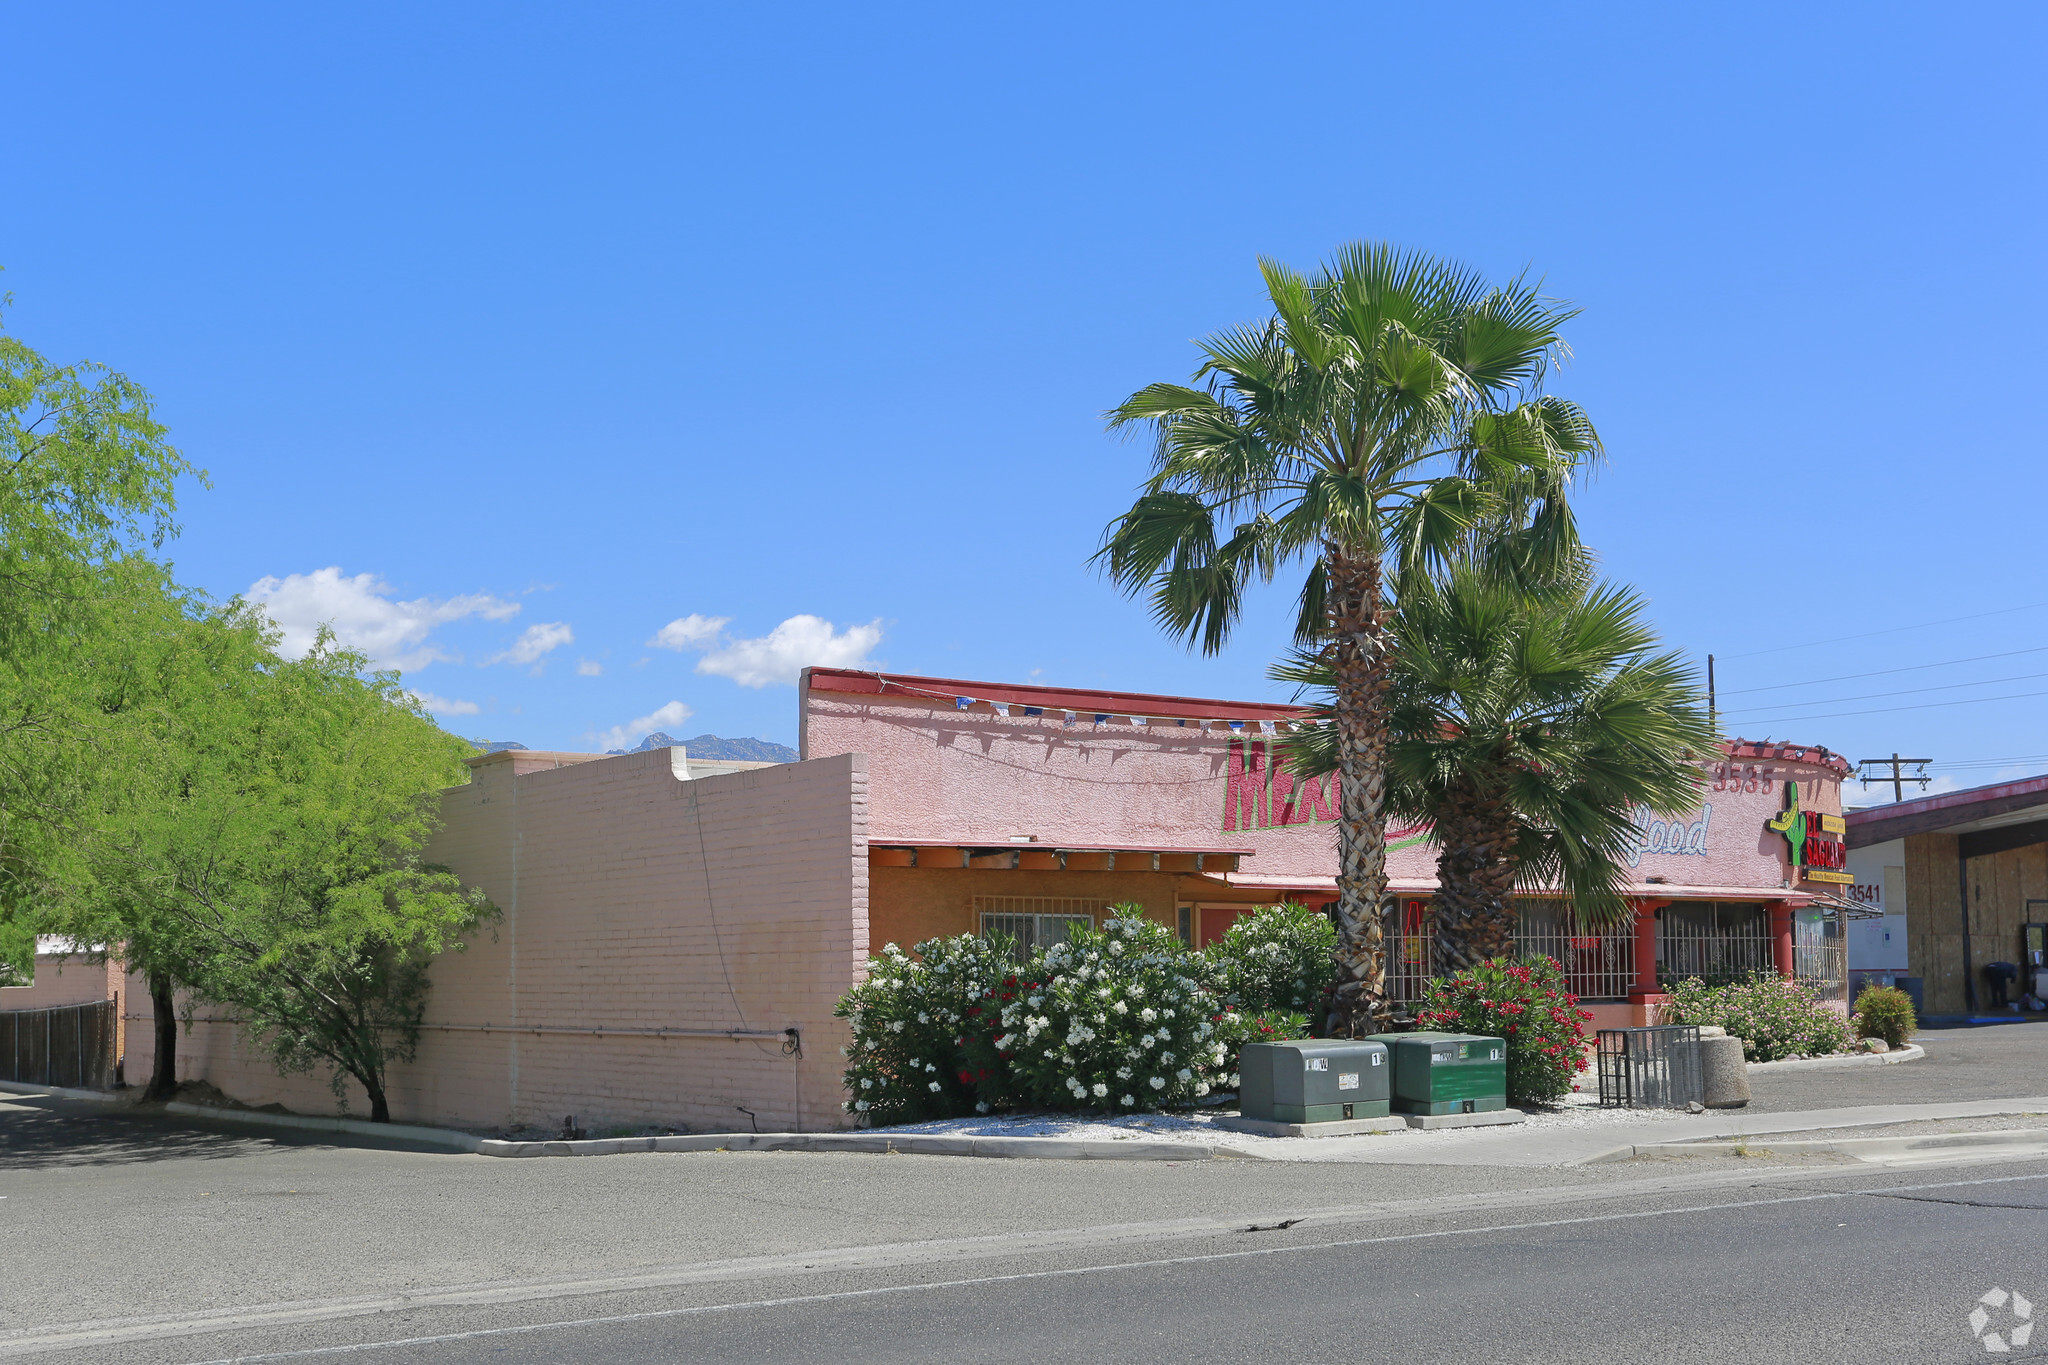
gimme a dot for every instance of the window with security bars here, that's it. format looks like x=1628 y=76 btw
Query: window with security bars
x=1032 y=922
x=1409 y=926
x=1598 y=960
x=1719 y=942
x=1819 y=954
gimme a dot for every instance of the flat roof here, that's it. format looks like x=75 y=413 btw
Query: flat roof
x=949 y=690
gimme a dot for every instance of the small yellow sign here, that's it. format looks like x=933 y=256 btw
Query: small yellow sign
x=1821 y=874
x=1833 y=824
x=1411 y=951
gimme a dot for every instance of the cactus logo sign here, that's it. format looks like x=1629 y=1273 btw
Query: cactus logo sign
x=1813 y=840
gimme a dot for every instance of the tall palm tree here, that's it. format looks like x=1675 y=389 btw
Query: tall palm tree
x=1389 y=401
x=1528 y=724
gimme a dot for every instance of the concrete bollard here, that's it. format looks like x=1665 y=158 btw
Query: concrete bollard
x=1724 y=1075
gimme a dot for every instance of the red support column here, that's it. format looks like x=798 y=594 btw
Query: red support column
x=1647 y=997
x=1781 y=936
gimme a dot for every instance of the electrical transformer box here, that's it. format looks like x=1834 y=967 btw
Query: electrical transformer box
x=1446 y=1073
x=1313 y=1080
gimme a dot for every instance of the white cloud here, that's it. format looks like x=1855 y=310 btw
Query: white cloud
x=364 y=616
x=633 y=731
x=777 y=657
x=535 y=641
x=588 y=668
x=687 y=631
x=444 y=706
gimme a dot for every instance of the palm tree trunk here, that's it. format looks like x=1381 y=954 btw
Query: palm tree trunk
x=1475 y=872
x=1358 y=656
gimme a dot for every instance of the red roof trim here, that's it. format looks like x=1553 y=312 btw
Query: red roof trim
x=935 y=690
x=1953 y=801
x=1050 y=846
x=1794 y=753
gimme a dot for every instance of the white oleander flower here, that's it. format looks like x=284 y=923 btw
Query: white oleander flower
x=1099 y=1089
x=1157 y=1082
x=1130 y=1100
x=1147 y=1015
x=1035 y=1001
x=931 y=1066
x=866 y=1084
x=860 y=1106
x=982 y=1107
x=1166 y=1058
x=924 y=1018
x=1184 y=1074
x=1121 y=1008
x=1116 y=949
x=935 y=1087
x=1137 y=990
x=896 y=1026
x=1201 y=1089
x=1123 y=1073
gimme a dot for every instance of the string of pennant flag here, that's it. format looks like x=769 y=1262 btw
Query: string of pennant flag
x=1011 y=708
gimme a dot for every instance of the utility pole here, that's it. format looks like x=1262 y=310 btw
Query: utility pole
x=1898 y=776
x=1710 y=689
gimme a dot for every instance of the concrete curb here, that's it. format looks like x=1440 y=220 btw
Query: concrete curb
x=58 y=1092
x=2016 y=1139
x=307 y=1123
x=1912 y=1052
x=880 y=1144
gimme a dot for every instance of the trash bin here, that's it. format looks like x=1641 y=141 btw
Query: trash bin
x=1313 y=1080
x=1447 y=1073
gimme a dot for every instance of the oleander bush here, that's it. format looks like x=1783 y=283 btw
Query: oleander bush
x=1774 y=1016
x=922 y=1028
x=1118 y=1020
x=1235 y=1028
x=1885 y=1012
x=1279 y=958
x=1526 y=1003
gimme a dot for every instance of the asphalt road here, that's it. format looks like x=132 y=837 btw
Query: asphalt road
x=192 y=1244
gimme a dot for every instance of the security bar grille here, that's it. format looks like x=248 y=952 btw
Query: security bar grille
x=1032 y=922
x=1649 y=1068
x=1819 y=955
x=1719 y=942
x=1598 y=961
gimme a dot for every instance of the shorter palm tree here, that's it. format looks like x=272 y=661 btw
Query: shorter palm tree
x=1528 y=724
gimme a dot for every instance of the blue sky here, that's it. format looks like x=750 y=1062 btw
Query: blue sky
x=546 y=329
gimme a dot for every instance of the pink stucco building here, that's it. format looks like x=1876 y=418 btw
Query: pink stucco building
x=674 y=936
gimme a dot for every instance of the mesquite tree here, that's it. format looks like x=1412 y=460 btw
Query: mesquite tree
x=1389 y=403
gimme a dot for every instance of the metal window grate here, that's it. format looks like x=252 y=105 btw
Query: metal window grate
x=1649 y=1068
x=1410 y=929
x=70 y=1046
x=1033 y=922
x=1598 y=961
x=1717 y=941
x=1819 y=955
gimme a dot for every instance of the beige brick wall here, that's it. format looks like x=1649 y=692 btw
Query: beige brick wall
x=629 y=900
x=63 y=980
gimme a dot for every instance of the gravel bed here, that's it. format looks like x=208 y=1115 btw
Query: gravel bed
x=1577 y=1112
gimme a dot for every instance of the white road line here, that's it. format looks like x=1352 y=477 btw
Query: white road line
x=845 y=1295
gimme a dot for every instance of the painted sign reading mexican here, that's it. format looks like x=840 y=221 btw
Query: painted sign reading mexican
x=1262 y=794
x=1813 y=840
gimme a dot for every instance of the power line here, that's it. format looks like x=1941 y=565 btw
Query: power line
x=1887 y=710
x=1881 y=672
x=1910 y=691
x=1889 y=630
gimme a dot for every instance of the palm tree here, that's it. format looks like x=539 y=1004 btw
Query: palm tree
x=1528 y=724
x=1389 y=401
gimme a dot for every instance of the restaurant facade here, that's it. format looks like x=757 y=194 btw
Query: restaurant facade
x=673 y=937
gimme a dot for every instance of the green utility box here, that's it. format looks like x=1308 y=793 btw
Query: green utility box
x=1313 y=1080
x=1446 y=1073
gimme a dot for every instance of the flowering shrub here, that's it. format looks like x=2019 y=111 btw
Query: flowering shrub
x=1116 y=1020
x=1885 y=1012
x=1280 y=957
x=1234 y=1029
x=1774 y=1016
x=1526 y=1003
x=921 y=1030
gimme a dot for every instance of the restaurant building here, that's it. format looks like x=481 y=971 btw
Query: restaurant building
x=673 y=936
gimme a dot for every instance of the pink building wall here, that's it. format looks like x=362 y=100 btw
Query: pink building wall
x=976 y=776
x=63 y=979
x=630 y=900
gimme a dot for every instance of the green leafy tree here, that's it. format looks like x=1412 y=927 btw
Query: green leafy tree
x=1527 y=725
x=87 y=488
x=276 y=847
x=1388 y=403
